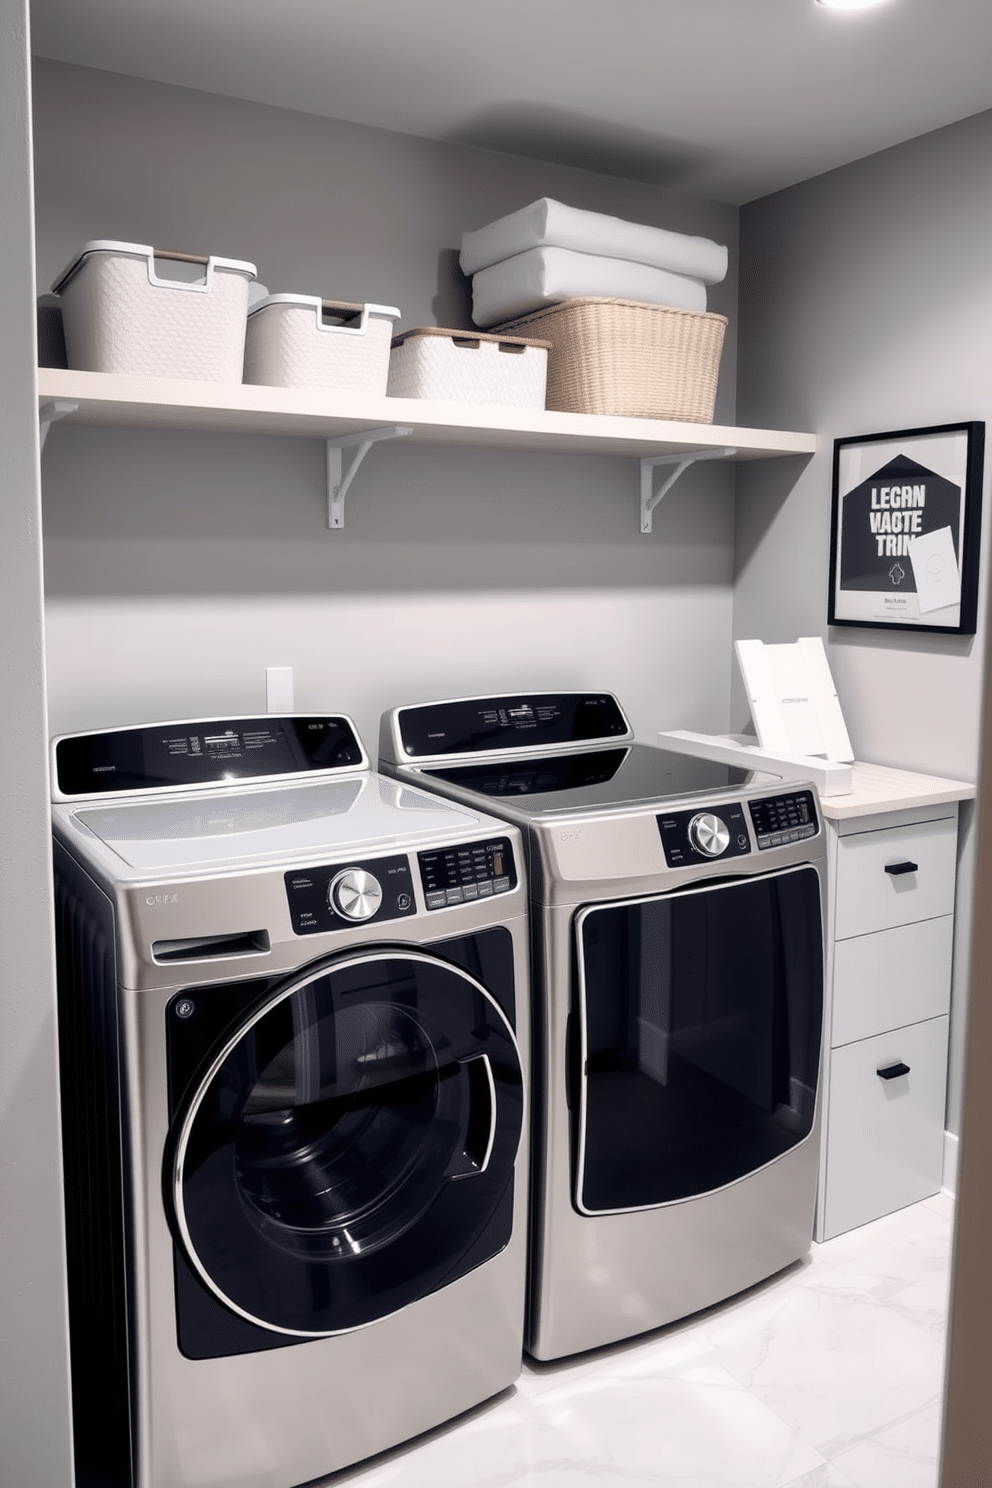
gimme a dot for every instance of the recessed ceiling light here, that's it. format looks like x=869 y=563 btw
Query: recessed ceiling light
x=849 y=4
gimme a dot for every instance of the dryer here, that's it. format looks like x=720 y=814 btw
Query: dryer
x=676 y=914
x=293 y=1006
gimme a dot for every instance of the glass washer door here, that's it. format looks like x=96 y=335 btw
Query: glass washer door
x=350 y=1147
x=699 y=1037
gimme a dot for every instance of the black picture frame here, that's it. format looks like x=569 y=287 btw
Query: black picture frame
x=889 y=491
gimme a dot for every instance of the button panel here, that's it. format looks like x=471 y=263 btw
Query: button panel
x=780 y=820
x=679 y=847
x=310 y=907
x=467 y=872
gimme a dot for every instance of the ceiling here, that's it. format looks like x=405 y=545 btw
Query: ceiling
x=729 y=99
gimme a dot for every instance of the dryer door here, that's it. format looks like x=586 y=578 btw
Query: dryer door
x=350 y=1147
x=699 y=1018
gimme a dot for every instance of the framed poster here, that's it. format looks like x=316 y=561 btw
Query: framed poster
x=904 y=529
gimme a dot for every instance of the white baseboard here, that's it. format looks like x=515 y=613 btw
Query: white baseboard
x=949 y=1182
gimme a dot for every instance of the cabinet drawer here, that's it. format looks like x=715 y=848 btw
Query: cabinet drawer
x=870 y=898
x=891 y=978
x=885 y=1138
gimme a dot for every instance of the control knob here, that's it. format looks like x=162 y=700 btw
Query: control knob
x=355 y=894
x=708 y=834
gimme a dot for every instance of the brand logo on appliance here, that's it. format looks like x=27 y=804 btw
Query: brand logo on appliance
x=576 y=835
x=154 y=899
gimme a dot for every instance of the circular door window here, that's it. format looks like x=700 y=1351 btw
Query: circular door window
x=350 y=1147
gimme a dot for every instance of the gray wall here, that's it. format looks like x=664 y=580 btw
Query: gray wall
x=866 y=305
x=35 y=1435
x=179 y=566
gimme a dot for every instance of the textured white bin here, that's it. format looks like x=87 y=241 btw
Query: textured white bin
x=302 y=341
x=432 y=362
x=131 y=309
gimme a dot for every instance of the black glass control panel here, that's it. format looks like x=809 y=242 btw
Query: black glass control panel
x=208 y=752
x=473 y=725
x=363 y=892
x=467 y=872
x=782 y=819
x=702 y=836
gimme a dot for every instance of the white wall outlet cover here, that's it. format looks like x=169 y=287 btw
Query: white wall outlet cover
x=794 y=704
x=279 y=689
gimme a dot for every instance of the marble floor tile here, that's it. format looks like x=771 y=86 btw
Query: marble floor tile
x=904 y=1456
x=917 y=1219
x=941 y=1203
x=837 y=1365
x=827 y=1375
x=697 y=1429
x=827 y=1476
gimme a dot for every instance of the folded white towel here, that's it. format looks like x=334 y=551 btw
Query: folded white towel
x=542 y=276
x=549 y=224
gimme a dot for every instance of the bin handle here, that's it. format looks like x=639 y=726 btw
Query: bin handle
x=897 y=868
x=170 y=253
x=893 y=1071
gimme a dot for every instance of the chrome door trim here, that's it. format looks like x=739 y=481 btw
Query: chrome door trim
x=300 y=980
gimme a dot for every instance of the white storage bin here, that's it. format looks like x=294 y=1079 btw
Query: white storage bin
x=432 y=362
x=303 y=341
x=131 y=309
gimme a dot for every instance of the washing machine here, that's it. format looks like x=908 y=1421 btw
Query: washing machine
x=293 y=1009
x=677 y=912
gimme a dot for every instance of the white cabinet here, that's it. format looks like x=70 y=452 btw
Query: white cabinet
x=890 y=932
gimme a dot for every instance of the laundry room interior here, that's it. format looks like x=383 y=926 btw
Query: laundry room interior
x=178 y=565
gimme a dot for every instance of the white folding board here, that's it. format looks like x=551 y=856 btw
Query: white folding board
x=794 y=704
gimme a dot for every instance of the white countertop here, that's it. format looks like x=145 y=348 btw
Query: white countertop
x=879 y=788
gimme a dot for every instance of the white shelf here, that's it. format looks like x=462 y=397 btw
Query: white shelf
x=309 y=413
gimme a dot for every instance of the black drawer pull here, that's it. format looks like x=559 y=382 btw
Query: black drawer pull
x=893 y=1071
x=896 y=868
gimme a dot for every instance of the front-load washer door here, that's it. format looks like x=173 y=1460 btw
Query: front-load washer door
x=349 y=1148
x=698 y=1037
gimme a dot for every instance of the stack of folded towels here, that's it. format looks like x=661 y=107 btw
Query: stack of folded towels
x=548 y=252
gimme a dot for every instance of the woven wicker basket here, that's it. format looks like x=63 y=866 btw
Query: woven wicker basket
x=627 y=357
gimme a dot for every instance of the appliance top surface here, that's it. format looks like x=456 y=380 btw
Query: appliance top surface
x=241 y=827
x=584 y=780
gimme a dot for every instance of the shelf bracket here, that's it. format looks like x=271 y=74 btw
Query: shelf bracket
x=649 y=497
x=339 y=480
x=50 y=413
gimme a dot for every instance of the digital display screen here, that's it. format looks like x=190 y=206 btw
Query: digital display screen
x=203 y=753
x=519 y=722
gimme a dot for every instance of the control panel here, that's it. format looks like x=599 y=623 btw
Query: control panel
x=466 y=872
x=343 y=894
x=704 y=835
x=203 y=752
x=782 y=819
x=480 y=725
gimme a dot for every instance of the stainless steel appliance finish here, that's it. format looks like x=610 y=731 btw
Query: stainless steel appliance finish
x=294 y=1019
x=676 y=910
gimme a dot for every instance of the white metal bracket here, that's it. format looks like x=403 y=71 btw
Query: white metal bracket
x=339 y=481
x=50 y=413
x=649 y=497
